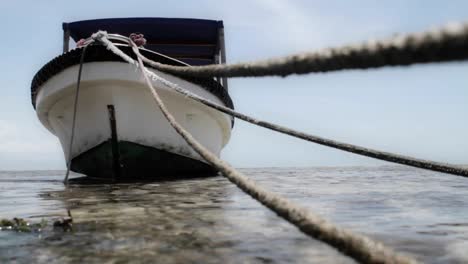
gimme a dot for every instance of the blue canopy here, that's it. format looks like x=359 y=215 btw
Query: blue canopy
x=193 y=41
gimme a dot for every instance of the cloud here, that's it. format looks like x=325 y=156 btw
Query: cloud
x=288 y=15
x=281 y=27
x=295 y=25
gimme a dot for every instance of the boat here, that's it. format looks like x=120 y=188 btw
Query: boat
x=120 y=133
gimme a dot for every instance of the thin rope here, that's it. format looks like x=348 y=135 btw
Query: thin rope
x=367 y=152
x=448 y=43
x=359 y=247
x=75 y=108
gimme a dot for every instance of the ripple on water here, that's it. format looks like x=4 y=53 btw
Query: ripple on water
x=211 y=221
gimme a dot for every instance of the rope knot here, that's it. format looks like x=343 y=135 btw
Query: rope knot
x=138 y=39
x=99 y=35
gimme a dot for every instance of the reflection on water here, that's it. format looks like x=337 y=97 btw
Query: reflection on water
x=210 y=221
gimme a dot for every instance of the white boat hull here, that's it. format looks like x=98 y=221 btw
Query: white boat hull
x=138 y=119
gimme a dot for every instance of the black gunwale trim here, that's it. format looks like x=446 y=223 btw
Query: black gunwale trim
x=99 y=53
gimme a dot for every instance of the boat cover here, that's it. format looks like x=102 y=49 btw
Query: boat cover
x=193 y=41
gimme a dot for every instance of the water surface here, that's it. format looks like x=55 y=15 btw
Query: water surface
x=422 y=214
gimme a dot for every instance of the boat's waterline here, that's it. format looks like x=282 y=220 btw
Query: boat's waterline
x=139 y=120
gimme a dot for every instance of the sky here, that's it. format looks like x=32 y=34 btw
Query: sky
x=419 y=110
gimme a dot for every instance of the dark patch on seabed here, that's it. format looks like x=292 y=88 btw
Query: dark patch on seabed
x=419 y=213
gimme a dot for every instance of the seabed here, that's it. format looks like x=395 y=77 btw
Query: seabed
x=209 y=220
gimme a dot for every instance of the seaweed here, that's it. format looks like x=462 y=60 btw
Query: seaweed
x=21 y=225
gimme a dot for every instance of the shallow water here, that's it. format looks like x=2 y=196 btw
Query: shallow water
x=423 y=214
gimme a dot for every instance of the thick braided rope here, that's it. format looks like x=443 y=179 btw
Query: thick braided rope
x=359 y=247
x=448 y=43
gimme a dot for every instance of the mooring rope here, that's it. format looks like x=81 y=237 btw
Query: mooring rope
x=372 y=153
x=367 y=152
x=75 y=108
x=359 y=247
x=448 y=43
